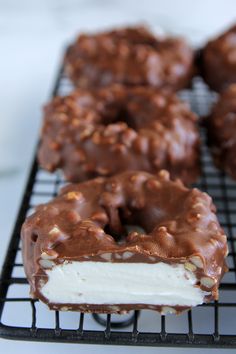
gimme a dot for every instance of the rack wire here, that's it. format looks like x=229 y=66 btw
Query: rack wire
x=208 y=325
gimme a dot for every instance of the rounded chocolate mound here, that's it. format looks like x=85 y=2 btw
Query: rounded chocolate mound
x=218 y=60
x=221 y=128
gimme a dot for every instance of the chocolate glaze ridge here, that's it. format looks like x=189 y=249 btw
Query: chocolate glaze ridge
x=85 y=223
x=218 y=60
x=130 y=56
x=221 y=128
x=139 y=128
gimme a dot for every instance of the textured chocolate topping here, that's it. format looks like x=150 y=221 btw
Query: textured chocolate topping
x=86 y=223
x=139 y=128
x=129 y=56
x=219 y=60
x=221 y=127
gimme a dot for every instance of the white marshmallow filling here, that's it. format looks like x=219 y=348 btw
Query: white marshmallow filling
x=104 y=283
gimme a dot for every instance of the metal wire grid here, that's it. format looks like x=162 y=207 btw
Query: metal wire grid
x=209 y=325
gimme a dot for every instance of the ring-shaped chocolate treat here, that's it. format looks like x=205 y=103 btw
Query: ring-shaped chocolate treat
x=130 y=56
x=78 y=255
x=110 y=130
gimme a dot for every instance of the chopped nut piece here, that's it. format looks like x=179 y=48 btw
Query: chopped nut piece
x=208 y=282
x=165 y=176
x=106 y=256
x=162 y=229
x=86 y=133
x=196 y=260
x=103 y=171
x=64 y=308
x=167 y=310
x=189 y=266
x=127 y=255
x=192 y=217
x=74 y=195
x=49 y=254
x=55 y=230
x=45 y=263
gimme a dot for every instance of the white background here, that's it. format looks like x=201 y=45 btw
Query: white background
x=32 y=37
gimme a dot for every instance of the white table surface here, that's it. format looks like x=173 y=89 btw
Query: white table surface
x=32 y=37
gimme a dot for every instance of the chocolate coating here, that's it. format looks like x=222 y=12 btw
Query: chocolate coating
x=219 y=60
x=129 y=56
x=138 y=128
x=221 y=128
x=86 y=221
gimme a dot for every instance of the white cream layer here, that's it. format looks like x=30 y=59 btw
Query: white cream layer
x=122 y=283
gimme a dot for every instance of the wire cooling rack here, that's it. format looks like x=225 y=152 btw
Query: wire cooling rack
x=208 y=325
